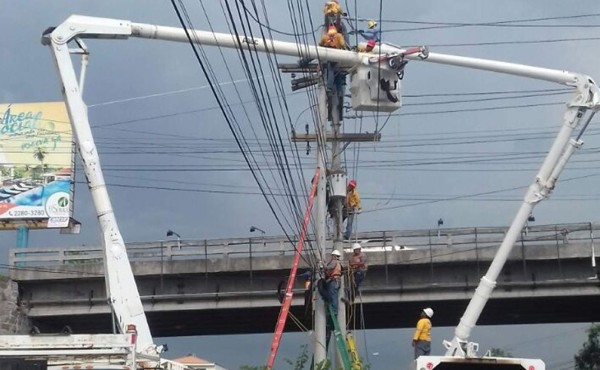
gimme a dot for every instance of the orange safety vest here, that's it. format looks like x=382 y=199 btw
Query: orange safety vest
x=334 y=272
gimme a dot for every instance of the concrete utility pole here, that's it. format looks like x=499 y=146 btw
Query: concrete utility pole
x=327 y=108
x=320 y=335
x=337 y=100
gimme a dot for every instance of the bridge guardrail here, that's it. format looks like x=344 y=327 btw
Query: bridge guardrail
x=437 y=241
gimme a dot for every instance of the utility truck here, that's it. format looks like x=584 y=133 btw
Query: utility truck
x=133 y=347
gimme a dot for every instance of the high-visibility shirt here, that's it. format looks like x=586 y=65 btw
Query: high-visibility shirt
x=332 y=8
x=335 y=41
x=353 y=199
x=423 y=331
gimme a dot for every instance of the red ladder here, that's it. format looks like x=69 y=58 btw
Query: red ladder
x=287 y=301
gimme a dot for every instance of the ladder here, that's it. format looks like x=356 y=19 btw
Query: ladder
x=356 y=364
x=340 y=340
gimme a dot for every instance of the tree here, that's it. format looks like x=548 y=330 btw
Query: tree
x=588 y=357
x=40 y=154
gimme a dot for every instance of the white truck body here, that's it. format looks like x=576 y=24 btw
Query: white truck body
x=77 y=352
x=66 y=352
x=476 y=363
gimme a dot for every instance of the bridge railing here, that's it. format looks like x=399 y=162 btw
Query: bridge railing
x=438 y=242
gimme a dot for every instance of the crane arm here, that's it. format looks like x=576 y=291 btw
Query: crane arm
x=94 y=27
x=587 y=97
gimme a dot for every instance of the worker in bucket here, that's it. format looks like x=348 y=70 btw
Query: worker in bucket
x=351 y=208
x=331 y=282
x=373 y=33
x=368 y=48
x=358 y=267
x=422 y=338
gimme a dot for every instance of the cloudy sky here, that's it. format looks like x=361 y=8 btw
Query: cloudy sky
x=463 y=148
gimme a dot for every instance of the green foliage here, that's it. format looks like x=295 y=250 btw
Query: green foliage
x=301 y=360
x=499 y=352
x=588 y=357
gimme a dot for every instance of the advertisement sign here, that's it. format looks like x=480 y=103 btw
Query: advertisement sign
x=36 y=159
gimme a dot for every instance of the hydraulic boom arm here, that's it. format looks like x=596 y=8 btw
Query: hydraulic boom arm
x=587 y=97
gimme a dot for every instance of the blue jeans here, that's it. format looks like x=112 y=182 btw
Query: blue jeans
x=333 y=288
x=349 y=224
x=359 y=275
x=422 y=348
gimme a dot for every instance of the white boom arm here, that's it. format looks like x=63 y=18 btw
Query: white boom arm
x=121 y=287
x=587 y=96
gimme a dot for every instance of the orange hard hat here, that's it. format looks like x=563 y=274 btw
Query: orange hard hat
x=331 y=30
x=352 y=183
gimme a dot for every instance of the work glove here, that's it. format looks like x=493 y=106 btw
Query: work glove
x=359 y=211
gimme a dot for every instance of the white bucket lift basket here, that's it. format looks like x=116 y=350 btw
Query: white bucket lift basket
x=367 y=94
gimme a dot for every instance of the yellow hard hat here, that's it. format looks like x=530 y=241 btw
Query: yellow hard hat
x=371 y=23
x=331 y=30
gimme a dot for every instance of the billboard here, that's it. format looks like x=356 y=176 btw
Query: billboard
x=36 y=163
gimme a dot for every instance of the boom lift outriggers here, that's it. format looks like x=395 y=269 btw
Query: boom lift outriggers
x=366 y=95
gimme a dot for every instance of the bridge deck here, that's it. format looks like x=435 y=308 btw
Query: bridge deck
x=229 y=285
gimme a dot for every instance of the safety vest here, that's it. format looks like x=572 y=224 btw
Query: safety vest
x=334 y=271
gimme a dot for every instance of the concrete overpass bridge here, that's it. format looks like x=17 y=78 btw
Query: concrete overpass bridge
x=230 y=286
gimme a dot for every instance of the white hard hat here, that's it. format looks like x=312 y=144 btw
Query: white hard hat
x=336 y=253
x=356 y=246
x=428 y=311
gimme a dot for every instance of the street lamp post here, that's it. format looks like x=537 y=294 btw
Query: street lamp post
x=254 y=228
x=171 y=233
x=262 y=232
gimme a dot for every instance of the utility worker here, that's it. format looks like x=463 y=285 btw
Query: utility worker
x=332 y=8
x=358 y=266
x=333 y=39
x=352 y=207
x=373 y=33
x=422 y=338
x=333 y=273
x=333 y=78
x=333 y=15
x=367 y=48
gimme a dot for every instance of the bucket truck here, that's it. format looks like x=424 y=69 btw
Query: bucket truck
x=369 y=94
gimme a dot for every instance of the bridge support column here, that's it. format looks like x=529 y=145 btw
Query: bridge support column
x=12 y=317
